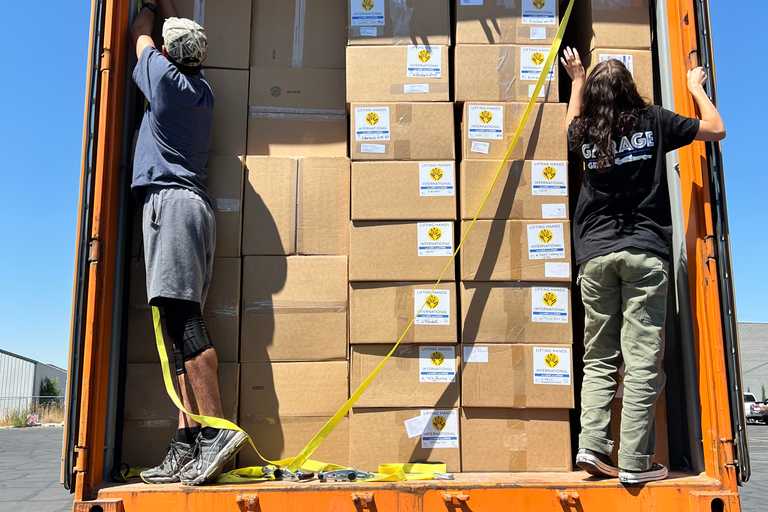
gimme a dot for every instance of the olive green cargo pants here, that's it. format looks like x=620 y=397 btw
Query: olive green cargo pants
x=625 y=305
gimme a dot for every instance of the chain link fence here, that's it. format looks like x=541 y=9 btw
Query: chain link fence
x=20 y=411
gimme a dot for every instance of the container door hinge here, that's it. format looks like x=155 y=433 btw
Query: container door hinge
x=81 y=452
x=94 y=250
x=248 y=502
x=709 y=249
x=105 y=64
x=569 y=500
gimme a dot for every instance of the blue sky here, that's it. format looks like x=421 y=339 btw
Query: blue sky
x=41 y=100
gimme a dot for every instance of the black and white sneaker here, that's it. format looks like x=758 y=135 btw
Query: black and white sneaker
x=178 y=456
x=596 y=464
x=211 y=455
x=657 y=472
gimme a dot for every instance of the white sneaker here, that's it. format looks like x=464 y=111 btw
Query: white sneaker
x=596 y=464
x=657 y=472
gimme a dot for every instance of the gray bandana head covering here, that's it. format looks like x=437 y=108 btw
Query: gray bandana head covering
x=185 y=41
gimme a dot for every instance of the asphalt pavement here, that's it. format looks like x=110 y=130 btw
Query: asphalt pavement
x=754 y=495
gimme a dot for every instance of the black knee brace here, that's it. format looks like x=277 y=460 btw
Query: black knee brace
x=186 y=328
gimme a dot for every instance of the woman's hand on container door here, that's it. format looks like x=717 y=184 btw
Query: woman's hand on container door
x=572 y=64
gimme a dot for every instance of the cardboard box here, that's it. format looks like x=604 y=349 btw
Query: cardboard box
x=307 y=34
x=379 y=436
x=503 y=72
x=517 y=376
x=294 y=308
x=379 y=312
x=523 y=440
x=495 y=22
x=638 y=62
x=403 y=190
x=400 y=251
x=323 y=206
x=415 y=376
x=398 y=73
x=297 y=88
x=513 y=250
x=230 y=116
x=227 y=26
x=292 y=389
x=282 y=437
x=525 y=189
x=402 y=131
x=146 y=399
x=225 y=187
x=394 y=22
x=269 y=214
x=502 y=312
x=145 y=442
x=616 y=24
x=489 y=127
x=302 y=133
x=221 y=313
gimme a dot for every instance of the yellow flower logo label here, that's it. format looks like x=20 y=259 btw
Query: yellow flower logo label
x=550 y=299
x=435 y=233
x=425 y=55
x=552 y=360
x=372 y=118
x=486 y=117
x=367 y=5
x=437 y=357
x=436 y=173
x=539 y=4
x=549 y=173
x=432 y=301
x=438 y=422
x=538 y=58
x=546 y=236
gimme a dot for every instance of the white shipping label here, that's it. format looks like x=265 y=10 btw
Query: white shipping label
x=414 y=427
x=627 y=60
x=537 y=33
x=546 y=242
x=532 y=60
x=367 y=13
x=442 y=429
x=486 y=122
x=549 y=305
x=424 y=61
x=435 y=238
x=227 y=205
x=532 y=89
x=475 y=354
x=437 y=364
x=432 y=307
x=373 y=148
x=557 y=270
x=553 y=211
x=549 y=178
x=539 y=12
x=552 y=366
x=415 y=88
x=472 y=2
x=437 y=179
x=480 y=147
x=373 y=32
x=372 y=124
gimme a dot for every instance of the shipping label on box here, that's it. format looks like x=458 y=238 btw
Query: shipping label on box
x=549 y=305
x=475 y=354
x=437 y=364
x=625 y=59
x=424 y=61
x=532 y=59
x=372 y=124
x=539 y=12
x=549 y=178
x=486 y=122
x=552 y=366
x=546 y=241
x=437 y=179
x=367 y=13
x=435 y=238
x=441 y=428
x=472 y=2
x=432 y=307
x=554 y=211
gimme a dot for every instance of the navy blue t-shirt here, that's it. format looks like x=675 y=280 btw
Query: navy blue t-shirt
x=175 y=134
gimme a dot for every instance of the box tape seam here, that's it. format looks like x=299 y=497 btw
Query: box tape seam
x=297 y=53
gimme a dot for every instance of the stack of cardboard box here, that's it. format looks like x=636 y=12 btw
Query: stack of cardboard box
x=403 y=212
x=517 y=384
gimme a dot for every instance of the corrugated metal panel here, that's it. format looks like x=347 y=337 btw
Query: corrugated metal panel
x=17 y=379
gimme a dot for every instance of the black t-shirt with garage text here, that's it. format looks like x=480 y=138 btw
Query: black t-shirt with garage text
x=626 y=205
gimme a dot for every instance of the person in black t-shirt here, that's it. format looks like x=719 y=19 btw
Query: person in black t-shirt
x=622 y=230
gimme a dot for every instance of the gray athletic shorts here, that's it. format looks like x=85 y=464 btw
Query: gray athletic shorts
x=179 y=240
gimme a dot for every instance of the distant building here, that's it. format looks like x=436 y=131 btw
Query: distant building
x=20 y=379
x=753 y=341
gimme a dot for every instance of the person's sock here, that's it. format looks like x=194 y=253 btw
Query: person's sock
x=209 y=432
x=187 y=435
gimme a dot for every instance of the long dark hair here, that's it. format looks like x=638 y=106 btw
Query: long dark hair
x=610 y=109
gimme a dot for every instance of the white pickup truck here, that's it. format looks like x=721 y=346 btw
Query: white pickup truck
x=754 y=411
